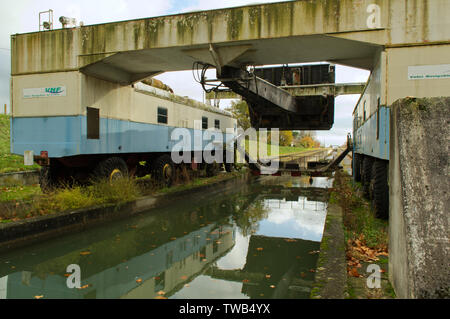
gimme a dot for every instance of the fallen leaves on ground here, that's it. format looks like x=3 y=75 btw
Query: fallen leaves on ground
x=357 y=251
x=354 y=272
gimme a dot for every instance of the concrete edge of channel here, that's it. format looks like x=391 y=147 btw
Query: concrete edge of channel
x=32 y=230
x=20 y=178
x=331 y=273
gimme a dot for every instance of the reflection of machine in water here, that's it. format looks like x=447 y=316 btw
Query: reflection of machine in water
x=165 y=268
x=164 y=249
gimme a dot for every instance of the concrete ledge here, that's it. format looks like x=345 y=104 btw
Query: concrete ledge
x=28 y=231
x=419 y=198
x=20 y=178
x=331 y=273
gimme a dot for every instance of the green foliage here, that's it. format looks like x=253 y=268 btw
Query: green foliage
x=9 y=162
x=100 y=193
x=358 y=216
x=239 y=109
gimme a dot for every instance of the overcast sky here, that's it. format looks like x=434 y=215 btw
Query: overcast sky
x=22 y=16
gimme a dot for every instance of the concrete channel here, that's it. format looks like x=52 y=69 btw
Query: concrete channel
x=247 y=237
x=19 y=178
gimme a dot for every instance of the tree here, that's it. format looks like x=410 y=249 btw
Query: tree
x=239 y=109
x=286 y=138
x=307 y=142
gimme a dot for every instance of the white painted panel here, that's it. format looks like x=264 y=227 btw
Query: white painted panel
x=429 y=72
x=30 y=93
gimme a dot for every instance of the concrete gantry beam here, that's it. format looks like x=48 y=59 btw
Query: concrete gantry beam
x=302 y=90
x=349 y=32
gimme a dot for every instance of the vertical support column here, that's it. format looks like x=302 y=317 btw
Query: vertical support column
x=419 y=199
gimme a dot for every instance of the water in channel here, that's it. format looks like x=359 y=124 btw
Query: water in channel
x=251 y=240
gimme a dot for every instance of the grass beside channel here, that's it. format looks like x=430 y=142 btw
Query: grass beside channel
x=358 y=216
x=366 y=239
x=9 y=162
x=64 y=199
x=21 y=202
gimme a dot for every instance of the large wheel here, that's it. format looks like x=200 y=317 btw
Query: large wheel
x=212 y=169
x=380 y=189
x=112 y=168
x=229 y=167
x=164 y=170
x=356 y=166
x=366 y=174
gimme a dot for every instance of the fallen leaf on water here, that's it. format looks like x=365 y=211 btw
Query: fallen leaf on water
x=139 y=280
x=312 y=270
x=67 y=275
x=84 y=287
x=39 y=297
x=272 y=286
x=161 y=293
x=173 y=238
x=183 y=277
x=259 y=248
x=245 y=280
x=186 y=285
x=84 y=253
x=267 y=276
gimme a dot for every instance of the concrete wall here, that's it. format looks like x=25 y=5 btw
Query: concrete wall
x=401 y=62
x=419 y=199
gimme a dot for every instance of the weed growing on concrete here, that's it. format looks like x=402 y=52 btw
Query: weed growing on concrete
x=358 y=216
x=71 y=198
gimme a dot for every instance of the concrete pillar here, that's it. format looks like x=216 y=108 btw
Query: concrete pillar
x=419 y=240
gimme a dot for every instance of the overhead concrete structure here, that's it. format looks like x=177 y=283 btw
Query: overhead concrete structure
x=335 y=89
x=348 y=32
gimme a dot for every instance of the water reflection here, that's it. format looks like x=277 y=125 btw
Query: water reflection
x=255 y=242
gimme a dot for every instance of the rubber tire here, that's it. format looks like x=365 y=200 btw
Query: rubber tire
x=158 y=170
x=357 y=169
x=229 y=167
x=380 y=201
x=211 y=169
x=105 y=168
x=366 y=175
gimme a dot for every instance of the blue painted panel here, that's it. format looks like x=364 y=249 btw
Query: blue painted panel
x=66 y=136
x=365 y=139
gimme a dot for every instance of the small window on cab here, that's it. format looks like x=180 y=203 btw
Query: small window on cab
x=162 y=115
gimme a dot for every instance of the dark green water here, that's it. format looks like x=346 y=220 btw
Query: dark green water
x=255 y=240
